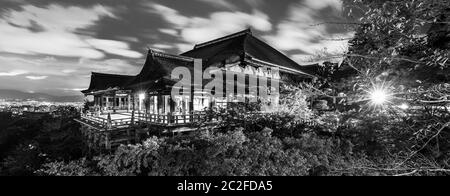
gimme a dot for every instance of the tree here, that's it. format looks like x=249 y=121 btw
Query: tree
x=396 y=44
x=402 y=48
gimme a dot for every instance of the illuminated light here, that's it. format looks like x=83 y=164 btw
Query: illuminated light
x=141 y=100
x=404 y=106
x=141 y=96
x=379 y=97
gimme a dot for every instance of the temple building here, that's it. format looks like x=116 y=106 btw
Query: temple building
x=121 y=101
x=108 y=93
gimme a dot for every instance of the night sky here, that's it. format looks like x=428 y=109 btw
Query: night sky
x=52 y=46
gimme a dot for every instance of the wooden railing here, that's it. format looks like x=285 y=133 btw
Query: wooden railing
x=157 y=119
x=95 y=121
x=177 y=119
x=162 y=119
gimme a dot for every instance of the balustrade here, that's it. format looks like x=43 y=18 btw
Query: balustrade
x=125 y=120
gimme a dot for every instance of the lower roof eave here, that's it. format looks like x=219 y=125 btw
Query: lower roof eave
x=96 y=92
x=282 y=68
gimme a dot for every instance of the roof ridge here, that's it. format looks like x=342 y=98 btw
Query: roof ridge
x=170 y=56
x=234 y=35
x=108 y=74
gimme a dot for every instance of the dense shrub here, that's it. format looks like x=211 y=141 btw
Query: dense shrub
x=26 y=144
x=236 y=153
x=73 y=168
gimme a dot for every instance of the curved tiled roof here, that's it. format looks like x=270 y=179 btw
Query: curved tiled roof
x=102 y=81
x=242 y=45
x=157 y=70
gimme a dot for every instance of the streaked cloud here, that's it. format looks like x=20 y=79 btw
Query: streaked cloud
x=112 y=66
x=220 y=4
x=113 y=47
x=68 y=71
x=301 y=30
x=13 y=73
x=52 y=30
x=322 y=4
x=172 y=16
x=37 y=77
x=194 y=30
x=232 y=4
x=162 y=46
x=183 y=47
x=73 y=89
x=60 y=73
x=128 y=38
x=171 y=32
x=254 y=3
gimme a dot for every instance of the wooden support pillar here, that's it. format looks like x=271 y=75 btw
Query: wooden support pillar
x=89 y=138
x=171 y=110
x=137 y=138
x=108 y=141
x=129 y=103
x=146 y=103
x=132 y=117
x=106 y=101
x=133 y=103
x=101 y=104
x=128 y=136
x=191 y=104
x=109 y=121
x=160 y=105
x=114 y=102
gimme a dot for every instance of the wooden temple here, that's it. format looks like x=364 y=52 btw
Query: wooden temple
x=123 y=102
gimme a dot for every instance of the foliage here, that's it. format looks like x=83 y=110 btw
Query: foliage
x=354 y=147
x=218 y=154
x=293 y=101
x=402 y=47
x=26 y=144
x=73 y=168
x=396 y=44
x=23 y=161
x=290 y=119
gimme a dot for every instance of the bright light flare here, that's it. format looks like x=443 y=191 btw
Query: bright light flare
x=141 y=96
x=379 y=96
